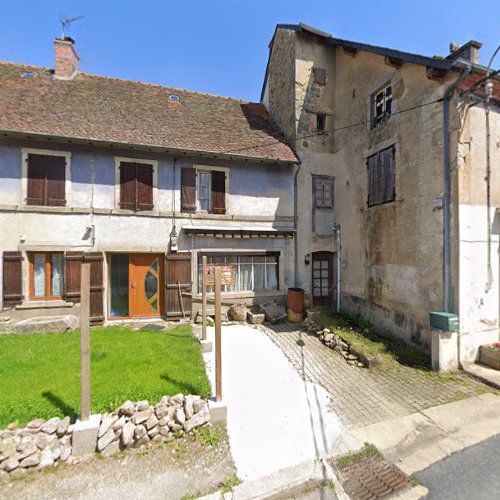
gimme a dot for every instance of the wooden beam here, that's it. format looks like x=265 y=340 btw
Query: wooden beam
x=85 y=342
x=204 y=300
x=218 y=331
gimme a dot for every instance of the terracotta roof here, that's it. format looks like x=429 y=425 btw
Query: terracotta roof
x=109 y=110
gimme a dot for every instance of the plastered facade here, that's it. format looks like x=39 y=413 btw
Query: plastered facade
x=257 y=196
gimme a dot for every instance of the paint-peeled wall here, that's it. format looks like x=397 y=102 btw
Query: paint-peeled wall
x=479 y=230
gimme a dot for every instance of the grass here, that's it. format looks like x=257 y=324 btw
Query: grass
x=40 y=373
x=369 y=450
x=208 y=435
x=370 y=342
x=229 y=483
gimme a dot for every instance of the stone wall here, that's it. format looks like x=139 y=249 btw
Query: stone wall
x=43 y=444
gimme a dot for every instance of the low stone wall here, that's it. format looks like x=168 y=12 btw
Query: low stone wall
x=47 y=443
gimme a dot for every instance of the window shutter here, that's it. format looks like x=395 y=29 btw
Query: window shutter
x=127 y=185
x=72 y=276
x=55 y=168
x=36 y=180
x=188 y=190
x=218 y=192
x=12 y=278
x=96 y=286
x=144 y=187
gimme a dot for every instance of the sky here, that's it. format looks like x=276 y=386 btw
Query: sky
x=221 y=46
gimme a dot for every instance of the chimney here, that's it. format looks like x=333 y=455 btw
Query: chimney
x=468 y=51
x=67 y=59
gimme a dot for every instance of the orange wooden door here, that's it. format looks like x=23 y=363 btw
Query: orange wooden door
x=145 y=285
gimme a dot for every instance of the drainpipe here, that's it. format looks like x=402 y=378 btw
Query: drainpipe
x=336 y=228
x=295 y=226
x=447 y=282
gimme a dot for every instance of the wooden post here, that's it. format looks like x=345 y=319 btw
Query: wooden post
x=204 y=301
x=85 y=342
x=218 y=349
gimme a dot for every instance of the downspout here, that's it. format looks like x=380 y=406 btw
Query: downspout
x=447 y=279
x=295 y=226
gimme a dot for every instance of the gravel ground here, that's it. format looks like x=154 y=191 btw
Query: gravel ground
x=183 y=467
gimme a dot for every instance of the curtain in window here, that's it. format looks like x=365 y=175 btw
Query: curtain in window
x=39 y=275
x=57 y=275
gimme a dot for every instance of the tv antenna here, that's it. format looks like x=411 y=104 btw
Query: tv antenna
x=66 y=21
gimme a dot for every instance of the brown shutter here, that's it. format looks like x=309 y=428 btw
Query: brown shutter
x=12 y=278
x=188 y=190
x=127 y=185
x=36 y=180
x=96 y=286
x=72 y=276
x=144 y=187
x=218 y=192
x=55 y=179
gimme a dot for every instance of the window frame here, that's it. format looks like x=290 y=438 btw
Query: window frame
x=225 y=256
x=199 y=174
x=25 y=152
x=325 y=180
x=125 y=159
x=212 y=168
x=48 y=276
x=377 y=120
x=321 y=122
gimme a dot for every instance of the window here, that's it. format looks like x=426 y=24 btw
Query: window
x=382 y=105
x=253 y=273
x=382 y=177
x=46 y=275
x=323 y=191
x=203 y=190
x=204 y=183
x=320 y=122
x=46 y=179
x=136 y=186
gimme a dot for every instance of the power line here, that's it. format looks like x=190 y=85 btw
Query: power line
x=324 y=133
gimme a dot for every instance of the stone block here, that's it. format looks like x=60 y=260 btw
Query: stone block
x=274 y=312
x=218 y=411
x=84 y=438
x=444 y=350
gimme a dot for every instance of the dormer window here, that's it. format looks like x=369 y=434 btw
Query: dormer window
x=382 y=105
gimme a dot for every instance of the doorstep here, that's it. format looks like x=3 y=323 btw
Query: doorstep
x=484 y=373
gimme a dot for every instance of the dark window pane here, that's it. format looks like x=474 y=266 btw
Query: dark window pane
x=118 y=278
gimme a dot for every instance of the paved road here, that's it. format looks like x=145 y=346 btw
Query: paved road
x=473 y=473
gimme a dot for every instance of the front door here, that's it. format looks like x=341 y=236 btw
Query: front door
x=135 y=285
x=178 y=286
x=322 y=278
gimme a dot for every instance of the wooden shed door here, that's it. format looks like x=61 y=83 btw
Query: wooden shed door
x=322 y=278
x=178 y=275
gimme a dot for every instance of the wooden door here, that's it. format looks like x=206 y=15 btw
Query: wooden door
x=145 y=285
x=178 y=276
x=323 y=279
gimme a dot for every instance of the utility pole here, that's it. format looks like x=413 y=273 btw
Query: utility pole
x=218 y=328
x=85 y=342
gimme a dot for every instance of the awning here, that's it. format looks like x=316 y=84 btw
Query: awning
x=239 y=232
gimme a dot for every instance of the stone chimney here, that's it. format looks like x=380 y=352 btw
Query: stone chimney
x=67 y=59
x=468 y=51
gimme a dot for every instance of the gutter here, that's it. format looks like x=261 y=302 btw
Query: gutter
x=447 y=281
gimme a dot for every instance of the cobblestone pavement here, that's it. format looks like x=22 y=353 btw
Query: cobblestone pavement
x=361 y=396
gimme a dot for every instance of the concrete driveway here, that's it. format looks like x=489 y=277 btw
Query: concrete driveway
x=275 y=419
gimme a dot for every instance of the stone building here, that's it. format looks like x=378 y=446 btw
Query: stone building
x=140 y=180
x=398 y=188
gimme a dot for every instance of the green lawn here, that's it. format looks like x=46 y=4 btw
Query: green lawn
x=40 y=373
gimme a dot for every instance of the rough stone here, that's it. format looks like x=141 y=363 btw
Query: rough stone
x=151 y=422
x=10 y=464
x=50 y=426
x=140 y=416
x=164 y=431
x=63 y=426
x=107 y=422
x=127 y=434
x=106 y=439
x=112 y=449
x=199 y=405
x=119 y=423
x=274 y=312
x=238 y=312
x=188 y=405
x=65 y=452
x=164 y=400
x=199 y=419
x=26 y=448
x=328 y=337
x=180 y=416
x=142 y=405
x=46 y=324
x=36 y=424
x=141 y=441
x=43 y=440
x=158 y=438
x=177 y=400
x=140 y=431
x=162 y=422
x=153 y=432
x=46 y=459
x=8 y=447
x=127 y=409
x=31 y=461
x=56 y=450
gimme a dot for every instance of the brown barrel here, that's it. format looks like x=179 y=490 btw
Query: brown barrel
x=296 y=300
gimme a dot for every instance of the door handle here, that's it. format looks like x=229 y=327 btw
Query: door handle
x=132 y=285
